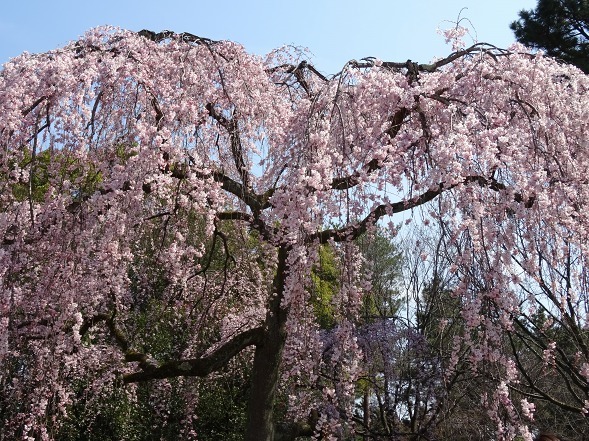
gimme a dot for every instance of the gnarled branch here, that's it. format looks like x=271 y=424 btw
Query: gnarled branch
x=196 y=367
x=353 y=231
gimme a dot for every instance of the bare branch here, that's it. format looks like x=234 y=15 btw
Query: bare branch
x=485 y=48
x=167 y=35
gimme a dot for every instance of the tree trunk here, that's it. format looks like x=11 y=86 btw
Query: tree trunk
x=366 y=410
x=267 y=359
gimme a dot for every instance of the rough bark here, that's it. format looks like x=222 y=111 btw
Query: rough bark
x=266 y=368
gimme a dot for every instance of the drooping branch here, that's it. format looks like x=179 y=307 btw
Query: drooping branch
x=197 y=367
x=538 y=392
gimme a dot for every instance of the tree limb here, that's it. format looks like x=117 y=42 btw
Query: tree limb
x=352 y=180
x=196 y=367
x=352 y=232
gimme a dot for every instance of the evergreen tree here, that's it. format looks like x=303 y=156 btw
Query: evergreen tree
x=560 y=27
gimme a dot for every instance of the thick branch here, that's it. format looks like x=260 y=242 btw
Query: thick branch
x=352 y=232
x=236 y=149
x=197 y=367
x=254 y=201
x=166 y=35
x=116 y=332
x=298 y=72
x=353 y=180
x=32 y=107
x=488 y=49
x=255 y=223
x=235 y=215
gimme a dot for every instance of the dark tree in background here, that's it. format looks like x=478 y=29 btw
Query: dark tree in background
x=560 y=27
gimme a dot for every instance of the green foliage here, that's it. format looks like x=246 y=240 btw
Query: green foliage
x=39 y=176
x=160 y=338
x=222 y=403
x=384 y=263
x=124 y=152
x=560 y=27
x=325 y=278
x=51 y=169
x=108 y=417
x=438 y=313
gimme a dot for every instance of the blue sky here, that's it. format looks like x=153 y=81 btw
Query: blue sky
x=335 y=31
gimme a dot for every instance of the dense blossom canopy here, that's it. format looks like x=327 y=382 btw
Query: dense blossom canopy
x=139 y=168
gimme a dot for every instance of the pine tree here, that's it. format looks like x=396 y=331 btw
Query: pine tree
x=560 y=27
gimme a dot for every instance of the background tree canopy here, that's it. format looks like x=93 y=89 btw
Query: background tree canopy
x=560 y=27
